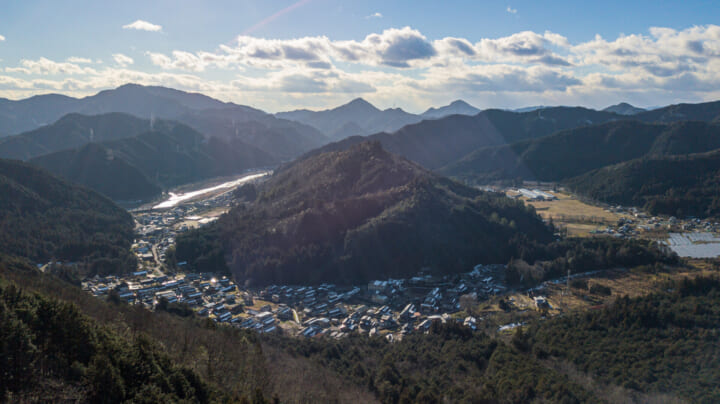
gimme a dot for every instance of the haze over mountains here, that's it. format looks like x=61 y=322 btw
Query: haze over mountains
x=359 y=117
x=157 y=137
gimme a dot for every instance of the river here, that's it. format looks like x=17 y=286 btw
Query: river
x=176 y=199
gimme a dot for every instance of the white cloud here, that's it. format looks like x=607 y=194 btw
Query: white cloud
x=44 y=66
x=511 y=10
x=2 y=38
x=122 y=60
x=402 y=66
x=79 y=60
x=374 y=15
x=141 y=25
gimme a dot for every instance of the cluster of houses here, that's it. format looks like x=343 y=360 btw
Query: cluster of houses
x=408 y=305
x=202 y=292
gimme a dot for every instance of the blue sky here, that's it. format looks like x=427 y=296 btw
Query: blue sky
x=280 y=55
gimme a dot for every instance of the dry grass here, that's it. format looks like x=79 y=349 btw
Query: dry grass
x=578 y=217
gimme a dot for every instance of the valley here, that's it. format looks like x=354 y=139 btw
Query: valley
x=314 y=257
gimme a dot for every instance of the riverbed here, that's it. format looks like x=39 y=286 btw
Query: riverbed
x=177 y=198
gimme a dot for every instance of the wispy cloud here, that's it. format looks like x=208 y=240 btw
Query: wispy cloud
x=2 y=38
x=141 y=25
x=79 y=60
x=511 y=10
x=374 y=15
x=402 y=65
x=122 y=60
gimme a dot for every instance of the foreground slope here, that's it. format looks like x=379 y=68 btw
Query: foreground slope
x=361 y=214
x=43 y=217
x=680 y=186
x=50 y=352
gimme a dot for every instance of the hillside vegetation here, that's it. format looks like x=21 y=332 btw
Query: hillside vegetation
x=360 y=214
x=139 y=167
x=574 y=152
x=75 y=130
x=677 y=186
x=42 y=217
x=96 y=167
x=49 y=351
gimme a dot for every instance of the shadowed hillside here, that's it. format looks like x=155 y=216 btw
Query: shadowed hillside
x=360 y=214
x=577 y=151
x=43 y=217
x=679 y=186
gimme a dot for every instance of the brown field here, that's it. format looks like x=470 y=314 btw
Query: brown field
x=577 y=217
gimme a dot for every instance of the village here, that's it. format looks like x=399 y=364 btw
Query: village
x=391 y=308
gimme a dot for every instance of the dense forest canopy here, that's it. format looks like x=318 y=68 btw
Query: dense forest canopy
x=43 y=217
x=676 y=186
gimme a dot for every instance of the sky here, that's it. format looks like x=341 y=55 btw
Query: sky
x=317 y=54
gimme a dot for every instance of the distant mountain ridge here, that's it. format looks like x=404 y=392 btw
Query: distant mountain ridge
x=358 y=117
x=75 y=130
x=439 y=142
x=624 y=108
x=207 y=115
x=576 y=151
x=457 y=107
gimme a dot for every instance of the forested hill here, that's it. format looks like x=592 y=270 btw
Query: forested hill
x=679 y=186
x=95 y=166
x=577 y=151
x=76 y=130
x=43 y=217
x=360 y=214
x=138 y=167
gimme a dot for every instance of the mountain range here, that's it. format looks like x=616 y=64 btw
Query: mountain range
x=359 y=117
x=157 y=137
x=436 y=143
x=209 y=116
x=140 y=166
x=576 y=151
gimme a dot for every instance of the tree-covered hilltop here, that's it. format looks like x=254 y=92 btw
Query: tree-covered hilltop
x=43 y=217
x=680 y=186
x=356 y=215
